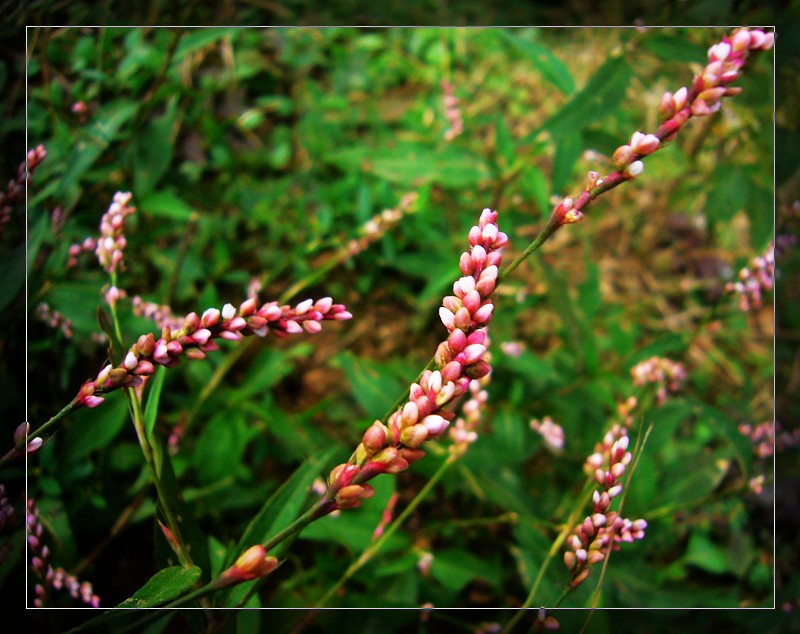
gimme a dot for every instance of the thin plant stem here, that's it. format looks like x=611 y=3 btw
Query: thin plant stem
x=373 y=548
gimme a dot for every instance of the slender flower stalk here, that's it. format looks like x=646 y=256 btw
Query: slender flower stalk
x=197 y=338
x=603 y=530
x=726 y=60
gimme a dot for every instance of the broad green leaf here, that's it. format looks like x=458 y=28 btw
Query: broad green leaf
x=166 y=585
x=455 y=568
x=568 y=151
x=705 y=555
x=219 y=452
x=96 y=428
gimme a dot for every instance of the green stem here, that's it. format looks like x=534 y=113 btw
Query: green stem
x=373 y=548
x=569 y=525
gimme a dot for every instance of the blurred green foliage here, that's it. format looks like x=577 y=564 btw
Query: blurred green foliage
x=261 y=153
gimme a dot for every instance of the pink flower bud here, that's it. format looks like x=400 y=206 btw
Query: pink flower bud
x=484 y=314
x=130 y=361
x=466 y=264
x=457 y=340
x=478 y=255
x=451 y=372
x=475 y=236
x=719 y=52
x=447 y=317
x=435 y=425
x=292 y=327
x=247 y=307
x=473 y=353
x=741 y=40
x=472 y=301
x=462 y=318
x=202 y=336
x=303 y=306
x=324 y=305
x=312 y=326
x=410 y=414
x=622 y=156
x=634 y=169
x=414 y=436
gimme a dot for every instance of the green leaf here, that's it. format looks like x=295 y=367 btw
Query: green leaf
x=154 y=395
x=200 y=38
x=551 y=68
x=455 y=568
x=534 y=183
x=92 y=141
x=219 y=452
x=504 y=143
x=568 y=151
x=283 y=506
x=598 y=99
x=675 y=48
x=166 y=205
x=166 y=585
x=194 y=539
x=372 y=386
x=705 y=555
x=96 y=428
x=152 y=150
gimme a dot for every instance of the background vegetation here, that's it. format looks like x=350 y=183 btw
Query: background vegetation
x=255 y=152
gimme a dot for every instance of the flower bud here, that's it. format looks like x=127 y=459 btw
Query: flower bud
x=622 y=156
x=414 y=436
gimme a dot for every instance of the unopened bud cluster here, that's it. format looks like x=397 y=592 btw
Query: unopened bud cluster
x=376 y=226
x=463 y=432
x=603 y=530
x=461 y=358
x=451 y=112
x=51 y=578
x=161 y=314
x=15 y=190
x=112 y=241
x=667 y=376
x=197 y=337
x=551 y=431
x=769 y=436
x=54 y=319
x=754 y=281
